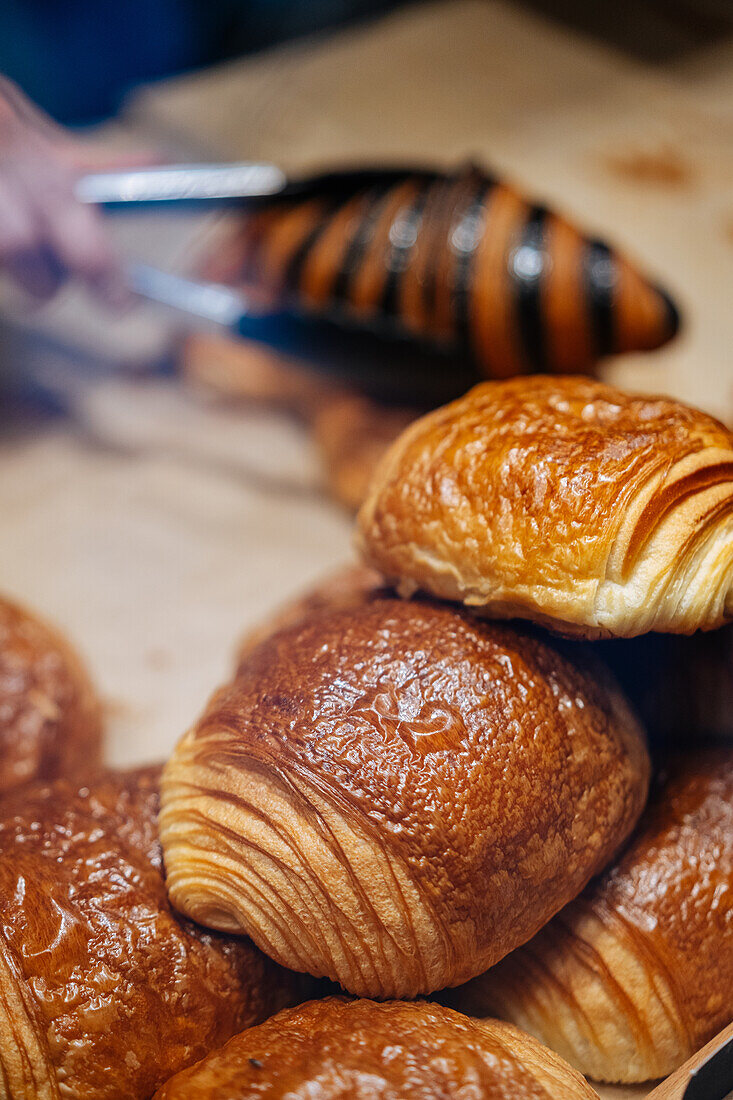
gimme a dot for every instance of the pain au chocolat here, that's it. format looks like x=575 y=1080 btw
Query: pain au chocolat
x=337 y=1049
x=637 y=974
x=105 y=991
x=394 y=795
x=564 y=501
x=50 y=719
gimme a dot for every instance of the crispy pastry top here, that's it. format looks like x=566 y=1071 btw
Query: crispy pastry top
x=359 y=1050
x=563 y=501
x=498 y=773
x=674 y=886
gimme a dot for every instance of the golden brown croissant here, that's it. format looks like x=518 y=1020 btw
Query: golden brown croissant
x=563 y=501
x=50 y=721
x=337 y=1049
x=395 y=795
x=460 y=260
x=637 y=974
x=104 y=991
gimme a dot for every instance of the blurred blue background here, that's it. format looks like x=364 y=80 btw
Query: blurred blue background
x=78 y=58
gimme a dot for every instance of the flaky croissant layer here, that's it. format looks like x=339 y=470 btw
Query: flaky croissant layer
x=336 y=1049
x=637 y=974
x=393 y=794
x=564 y=501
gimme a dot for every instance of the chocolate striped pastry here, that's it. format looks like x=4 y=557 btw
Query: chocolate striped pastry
x=636 y=975
x=336 y=1049
x=561 y=500
x=105 y=992
x=50 y=718
x=461 y=260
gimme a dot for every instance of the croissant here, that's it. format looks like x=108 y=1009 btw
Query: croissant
x=637 y=974
x=461 y=260
x=563 y=501
x=104 y=991
x=394 y=795
x=337 y=1049
x=50 y=719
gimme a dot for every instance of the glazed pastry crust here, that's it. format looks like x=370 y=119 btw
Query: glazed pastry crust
x=563 y=501
x=337 y=1048
x=104 y=990
x=636 y=975
x=395 y=795
x=50 y=719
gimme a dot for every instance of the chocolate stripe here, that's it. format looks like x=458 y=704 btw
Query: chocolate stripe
x=464 y=240
x=403 y=234
x=528 y=263
x=599 y=282
x=358 y=245
x=437 y=198
x=296 y=263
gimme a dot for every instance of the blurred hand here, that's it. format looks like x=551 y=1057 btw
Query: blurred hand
x=46 y=235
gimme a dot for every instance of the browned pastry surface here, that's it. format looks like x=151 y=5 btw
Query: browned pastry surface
x=50 y=722
x=395 y=795
x=563 y=501
x=362 y=1050
x=634 y=976
x=105 y=991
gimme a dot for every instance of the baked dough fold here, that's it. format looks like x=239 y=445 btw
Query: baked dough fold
x=50 y=718
x=336 y=1049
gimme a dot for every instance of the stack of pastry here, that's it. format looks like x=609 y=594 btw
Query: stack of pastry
x=400 y=793
x=420 y=780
